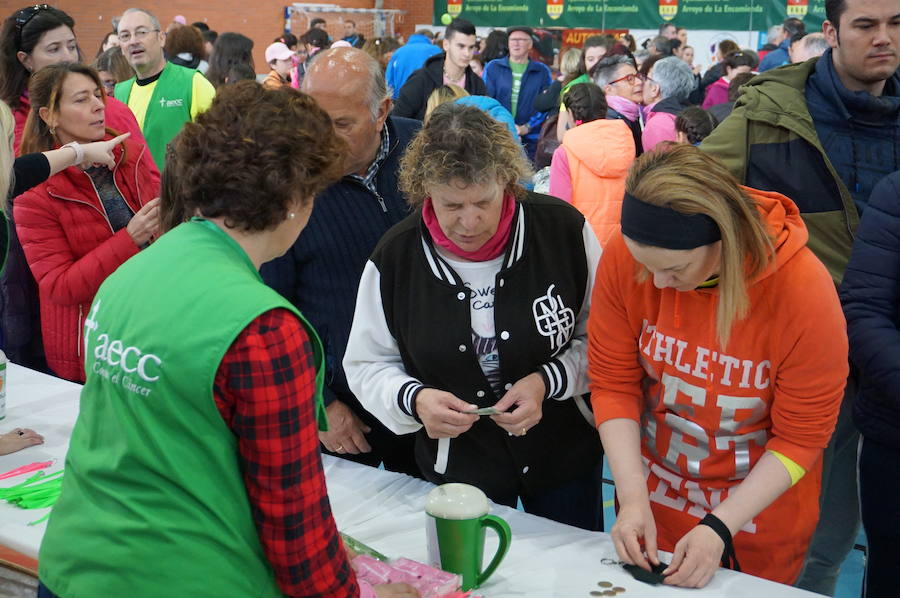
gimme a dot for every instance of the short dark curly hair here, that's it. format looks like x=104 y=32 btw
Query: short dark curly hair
x=249 y=157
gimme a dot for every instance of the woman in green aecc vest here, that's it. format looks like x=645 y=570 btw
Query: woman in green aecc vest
x=193 y=469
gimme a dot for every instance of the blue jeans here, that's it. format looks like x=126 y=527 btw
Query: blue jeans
x=43 y=592
x=839 y=520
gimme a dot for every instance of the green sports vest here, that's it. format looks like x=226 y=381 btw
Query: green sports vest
x=168 y=110
x=153 y=503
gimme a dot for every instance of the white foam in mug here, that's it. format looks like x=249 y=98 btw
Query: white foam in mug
x=456 y=501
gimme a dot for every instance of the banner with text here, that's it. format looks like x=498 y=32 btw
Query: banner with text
x=724 y=15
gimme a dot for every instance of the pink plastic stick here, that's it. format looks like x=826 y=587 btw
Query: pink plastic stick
x=25 y=469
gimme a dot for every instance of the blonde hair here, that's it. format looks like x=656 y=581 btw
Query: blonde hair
x=690 y=181
x=461 y=143
x=569 y=62
x=7 y=130
x=442 y=95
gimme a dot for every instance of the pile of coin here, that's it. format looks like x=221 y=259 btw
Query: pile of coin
x=608 y=589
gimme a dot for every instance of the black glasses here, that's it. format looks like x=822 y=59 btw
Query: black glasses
x=25 y=15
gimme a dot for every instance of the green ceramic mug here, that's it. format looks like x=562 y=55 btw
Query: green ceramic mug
x=457 y=519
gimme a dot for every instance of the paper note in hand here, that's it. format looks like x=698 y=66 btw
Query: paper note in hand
x=483 y=411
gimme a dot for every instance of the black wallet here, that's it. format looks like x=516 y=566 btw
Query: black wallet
x=652 y=577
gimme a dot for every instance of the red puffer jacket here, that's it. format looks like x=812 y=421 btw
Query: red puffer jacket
x=71 y=249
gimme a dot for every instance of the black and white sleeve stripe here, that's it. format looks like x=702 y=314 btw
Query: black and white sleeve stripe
x=555 y=378
x=406 y=398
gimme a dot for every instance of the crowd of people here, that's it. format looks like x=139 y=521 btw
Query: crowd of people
x=456 y=259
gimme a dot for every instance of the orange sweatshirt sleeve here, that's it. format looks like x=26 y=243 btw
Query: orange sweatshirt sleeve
x=813 y=366
x=613 y=367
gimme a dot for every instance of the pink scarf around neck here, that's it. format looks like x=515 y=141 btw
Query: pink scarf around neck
x=491 y=249
x=624 y=106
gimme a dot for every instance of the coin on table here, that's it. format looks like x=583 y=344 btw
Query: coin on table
x=596 y=593
x=618 y=589
x=604 y=584
x=608 y=593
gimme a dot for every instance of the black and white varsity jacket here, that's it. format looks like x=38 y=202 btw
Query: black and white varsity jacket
x=412 y=330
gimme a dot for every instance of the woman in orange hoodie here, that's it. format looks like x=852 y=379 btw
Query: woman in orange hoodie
x=717 y=360
x=589 y=168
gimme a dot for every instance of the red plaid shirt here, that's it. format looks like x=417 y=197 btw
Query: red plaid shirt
x=264 y=390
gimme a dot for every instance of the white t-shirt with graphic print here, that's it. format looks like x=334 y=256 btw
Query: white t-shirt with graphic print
x=479 y=278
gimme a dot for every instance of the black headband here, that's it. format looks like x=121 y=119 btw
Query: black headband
x=664 y=227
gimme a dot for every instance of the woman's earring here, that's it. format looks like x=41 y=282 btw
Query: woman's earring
x=291 y=215
x=53 y=131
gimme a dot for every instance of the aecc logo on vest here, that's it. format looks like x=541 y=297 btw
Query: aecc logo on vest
x=123 y=361
x=164 y=103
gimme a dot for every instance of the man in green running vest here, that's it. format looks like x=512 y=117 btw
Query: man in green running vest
x=162 y=95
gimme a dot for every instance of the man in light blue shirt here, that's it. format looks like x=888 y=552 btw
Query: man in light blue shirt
x=410 y=58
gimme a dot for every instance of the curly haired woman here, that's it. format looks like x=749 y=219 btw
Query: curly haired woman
x=491 y=314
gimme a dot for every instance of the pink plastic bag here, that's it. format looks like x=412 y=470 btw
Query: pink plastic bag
x=430 y=582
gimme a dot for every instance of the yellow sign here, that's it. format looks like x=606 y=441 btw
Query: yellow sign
x=797 y=8
x=668 y=9
x=555 y=8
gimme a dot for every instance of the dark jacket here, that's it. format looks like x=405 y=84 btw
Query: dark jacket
x=634 y=125
x=548 y=100
x=773 y=141
x=860 y=132
x=414 y=94
x=721 y=111
x=498 y=78
x=4 y=247
x=320 y=273
x=415 y=296
x=357 y=40
x=20 y=314
x=20 y=321
x=769 y=142
x=871 y=294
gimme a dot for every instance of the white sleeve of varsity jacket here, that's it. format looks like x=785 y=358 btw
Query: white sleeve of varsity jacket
x=373 y=364
x=566 y=374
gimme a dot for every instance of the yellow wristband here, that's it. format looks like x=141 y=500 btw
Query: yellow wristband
x=795 y=471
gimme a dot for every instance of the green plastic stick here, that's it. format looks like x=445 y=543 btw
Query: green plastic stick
x=357 y=546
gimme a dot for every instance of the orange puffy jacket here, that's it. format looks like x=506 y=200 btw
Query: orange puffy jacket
x=595 y=158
